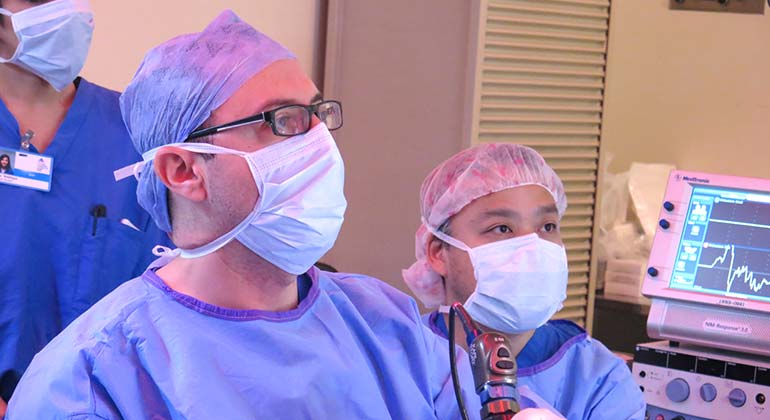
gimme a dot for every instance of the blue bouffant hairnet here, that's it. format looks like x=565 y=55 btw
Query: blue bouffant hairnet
x=180 y=83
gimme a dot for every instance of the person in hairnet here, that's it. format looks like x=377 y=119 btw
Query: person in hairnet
x=70 y=233
x=239 y=166
x=490 y=238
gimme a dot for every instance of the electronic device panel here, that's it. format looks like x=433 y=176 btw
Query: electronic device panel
x=695 y=383
x=709 y=268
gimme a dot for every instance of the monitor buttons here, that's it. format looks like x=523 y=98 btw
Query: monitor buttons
x=678 y=390
x=708 y=392
x=737 y=397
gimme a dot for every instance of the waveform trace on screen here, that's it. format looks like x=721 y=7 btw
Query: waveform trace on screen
x=724 y=247
x=742 y=272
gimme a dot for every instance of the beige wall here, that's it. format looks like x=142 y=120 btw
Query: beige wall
x=399 y=68
x=688 y=88
x=126 y=30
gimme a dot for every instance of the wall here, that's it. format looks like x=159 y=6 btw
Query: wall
x=126 y=30
x=688 y=88
x=399 y=68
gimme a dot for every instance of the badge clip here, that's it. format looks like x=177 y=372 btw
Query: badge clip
x=26 y=139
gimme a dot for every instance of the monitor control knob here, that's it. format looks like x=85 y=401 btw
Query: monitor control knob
x=664 y=223
x=652 y=271
x=708 y=392
x=669 y=206
x=737 y=397
x=678 y=390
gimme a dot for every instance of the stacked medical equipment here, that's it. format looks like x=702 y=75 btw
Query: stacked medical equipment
x=709 y=280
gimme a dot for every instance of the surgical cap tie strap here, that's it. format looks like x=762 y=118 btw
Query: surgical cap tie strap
x=164 y=251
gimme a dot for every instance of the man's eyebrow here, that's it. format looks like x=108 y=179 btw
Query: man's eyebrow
x=499 y=212
x=278 y=102
x=547 y=209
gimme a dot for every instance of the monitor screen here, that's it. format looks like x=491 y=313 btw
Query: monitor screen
x=709 y=268
x=724 y=248
x=713 y=242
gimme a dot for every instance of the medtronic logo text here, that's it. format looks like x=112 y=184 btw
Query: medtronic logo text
x=695 y=179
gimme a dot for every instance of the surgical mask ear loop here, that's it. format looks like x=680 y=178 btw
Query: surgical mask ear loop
x=446 y=238
x=135 y=169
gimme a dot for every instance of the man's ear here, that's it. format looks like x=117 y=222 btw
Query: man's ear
x=437 y=254
x=182 y=172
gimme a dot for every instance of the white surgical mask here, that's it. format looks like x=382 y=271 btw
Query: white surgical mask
x=520 y=282
x=301 y=201
x=53 y=40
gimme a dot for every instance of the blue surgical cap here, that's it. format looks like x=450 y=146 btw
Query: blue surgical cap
x=180 y=83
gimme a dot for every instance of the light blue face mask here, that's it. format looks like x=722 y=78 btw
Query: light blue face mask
x=301 y=202
x=520 y=282
x=53 y=40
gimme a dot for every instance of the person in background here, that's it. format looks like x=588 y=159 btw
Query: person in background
x=490 y=238
x=239 y=166
x=70 y=245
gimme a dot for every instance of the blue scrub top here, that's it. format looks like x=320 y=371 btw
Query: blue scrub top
x=56 y=259
x=353 y=348
x=574 y=373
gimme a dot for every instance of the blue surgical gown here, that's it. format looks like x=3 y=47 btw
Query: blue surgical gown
x=56 y=259
x=575 y=374
x=354 y=348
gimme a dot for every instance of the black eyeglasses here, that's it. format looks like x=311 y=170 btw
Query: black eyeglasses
x=287 y=120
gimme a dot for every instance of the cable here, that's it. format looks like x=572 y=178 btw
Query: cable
x=453 y=364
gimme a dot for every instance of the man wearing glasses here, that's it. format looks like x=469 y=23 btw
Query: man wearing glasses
x=240 y=168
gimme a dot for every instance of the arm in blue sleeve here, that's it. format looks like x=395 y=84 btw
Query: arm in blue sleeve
x=60 y=389
x=618 y=396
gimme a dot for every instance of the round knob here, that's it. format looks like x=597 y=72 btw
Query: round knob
x=678 y=390
x=664 y=223
x=652 y=271
x=669 y=206
x=708 y=392
x=737 y=397
x=760 y=398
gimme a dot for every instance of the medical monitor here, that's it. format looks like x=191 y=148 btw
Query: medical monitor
x=709 y=269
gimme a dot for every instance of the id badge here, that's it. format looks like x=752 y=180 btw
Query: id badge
x=25 y=169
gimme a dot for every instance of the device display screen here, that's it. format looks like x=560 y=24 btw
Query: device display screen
x=725 y=244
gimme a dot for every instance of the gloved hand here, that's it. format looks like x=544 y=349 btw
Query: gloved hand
x=537 y=414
